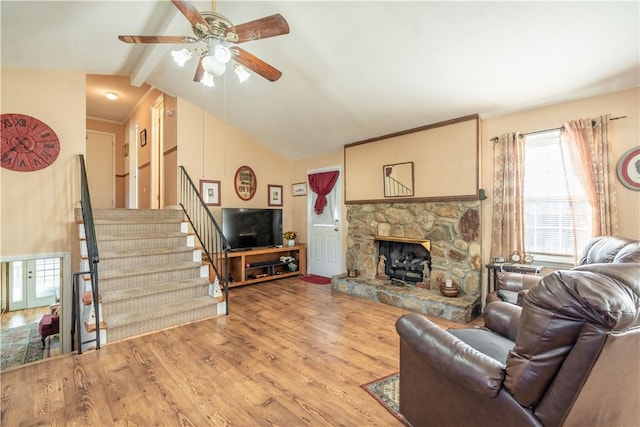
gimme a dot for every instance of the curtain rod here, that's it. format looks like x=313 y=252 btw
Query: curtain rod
x=495 y=138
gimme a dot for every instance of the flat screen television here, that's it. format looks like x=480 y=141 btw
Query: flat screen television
x=252 y=228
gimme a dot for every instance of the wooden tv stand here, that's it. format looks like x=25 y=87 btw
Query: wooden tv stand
x=262 y=264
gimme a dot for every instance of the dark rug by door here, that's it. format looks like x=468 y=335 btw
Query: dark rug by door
x=386 y=391
x=19 y=346
x=316 y=280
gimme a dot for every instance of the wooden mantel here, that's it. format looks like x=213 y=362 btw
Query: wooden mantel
x=424 y=242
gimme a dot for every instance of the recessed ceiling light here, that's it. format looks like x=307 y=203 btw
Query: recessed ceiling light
x=111 y=96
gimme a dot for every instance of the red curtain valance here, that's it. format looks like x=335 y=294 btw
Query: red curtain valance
x=322 y=183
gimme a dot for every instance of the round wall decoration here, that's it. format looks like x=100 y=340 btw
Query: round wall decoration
x=629 y=169
x=28 y=144
x=245 y=183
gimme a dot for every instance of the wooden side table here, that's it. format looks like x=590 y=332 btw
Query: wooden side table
x=493 y=268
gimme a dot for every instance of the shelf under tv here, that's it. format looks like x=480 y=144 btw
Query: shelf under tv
x=261 y=264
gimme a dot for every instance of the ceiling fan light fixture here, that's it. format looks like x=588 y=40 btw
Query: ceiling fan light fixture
x=207 y=79
x=241 y=72
x=222 y=54
x=212 y=66
x=181 y=56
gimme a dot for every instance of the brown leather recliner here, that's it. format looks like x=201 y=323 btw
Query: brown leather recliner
x=570 y=356
x=603 y=249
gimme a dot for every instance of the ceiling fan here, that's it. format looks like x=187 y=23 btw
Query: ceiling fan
x=214 y=34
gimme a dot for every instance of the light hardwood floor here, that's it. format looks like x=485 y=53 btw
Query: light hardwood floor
x=290 y=353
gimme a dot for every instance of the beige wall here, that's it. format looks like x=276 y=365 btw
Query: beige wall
x=37 y=207
x=210 y=149
x=625 y=134
x=118 y=130
x=435 y=152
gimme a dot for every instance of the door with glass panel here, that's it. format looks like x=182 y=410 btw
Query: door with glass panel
x=34 y=283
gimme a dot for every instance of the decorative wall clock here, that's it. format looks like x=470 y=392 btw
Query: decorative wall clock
x=28 y=144
x=245 y=183
x=629 y=169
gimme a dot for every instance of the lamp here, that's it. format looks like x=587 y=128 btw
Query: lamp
x=207 y=79
x=241 y=72
x=215 y=57
x=213 y=66
x=181 y=56
x=111 y=96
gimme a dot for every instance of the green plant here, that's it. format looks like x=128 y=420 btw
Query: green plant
x=290 y=235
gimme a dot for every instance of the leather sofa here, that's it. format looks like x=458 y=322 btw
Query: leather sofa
x=570 y=356
x=509 y=286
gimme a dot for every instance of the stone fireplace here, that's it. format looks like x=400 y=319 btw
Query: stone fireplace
x=448 y=233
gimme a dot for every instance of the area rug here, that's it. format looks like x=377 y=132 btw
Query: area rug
x=386 y=391
x=316 y=280
x=19 y=346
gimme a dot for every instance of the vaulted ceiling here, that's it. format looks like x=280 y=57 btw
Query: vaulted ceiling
x=351 y=70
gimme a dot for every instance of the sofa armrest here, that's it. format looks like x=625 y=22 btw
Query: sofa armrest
x=503 y=318
x=451 y=356
x=515 y=282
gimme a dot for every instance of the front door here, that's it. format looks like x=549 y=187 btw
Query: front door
x=34 y=283
x=325 y=250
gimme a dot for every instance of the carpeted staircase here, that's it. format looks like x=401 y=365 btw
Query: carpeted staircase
x=151 y=276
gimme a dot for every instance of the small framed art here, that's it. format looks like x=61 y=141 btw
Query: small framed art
x=210 y=192
x=275 y=195
x=299 y=189
x=398 y=179
x=143 y=137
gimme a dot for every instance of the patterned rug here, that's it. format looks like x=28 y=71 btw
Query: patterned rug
x=386 y=391
x=19 y=346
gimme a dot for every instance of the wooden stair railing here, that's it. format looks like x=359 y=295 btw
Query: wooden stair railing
x=214 y=244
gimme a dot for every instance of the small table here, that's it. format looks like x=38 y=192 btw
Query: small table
x=493 y=268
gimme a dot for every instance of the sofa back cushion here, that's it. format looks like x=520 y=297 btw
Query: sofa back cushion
x=568 y=308
x=610 y=249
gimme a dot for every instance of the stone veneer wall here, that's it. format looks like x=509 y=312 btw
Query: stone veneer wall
x=452 y=227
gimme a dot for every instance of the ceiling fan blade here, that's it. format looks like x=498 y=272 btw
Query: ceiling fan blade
x=255 y=64
x=269 y=26
x=158 y=39
x=197 y=77
x=192 y=14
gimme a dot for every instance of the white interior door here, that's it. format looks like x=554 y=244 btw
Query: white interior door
x=325 y=250
x=101 y=168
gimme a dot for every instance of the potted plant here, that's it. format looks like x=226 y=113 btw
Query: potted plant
x=290 y=237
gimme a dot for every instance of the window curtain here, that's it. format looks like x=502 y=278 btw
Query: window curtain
x=507 y=234
x=322 y=183
x=585 y=142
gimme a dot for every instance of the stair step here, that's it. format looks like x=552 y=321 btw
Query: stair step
x=135 y=299
x=146 y=241
x=130 y=215
x=111 y=280
x=126 y=325
x=146 y=257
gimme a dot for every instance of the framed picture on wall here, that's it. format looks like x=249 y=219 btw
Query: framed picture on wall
x=143 y=137
x=275 y=195
x=126 y=150
x=299 y=189
x=398 y=179
x=210 y=192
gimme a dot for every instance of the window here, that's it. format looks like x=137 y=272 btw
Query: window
x=553 y=225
